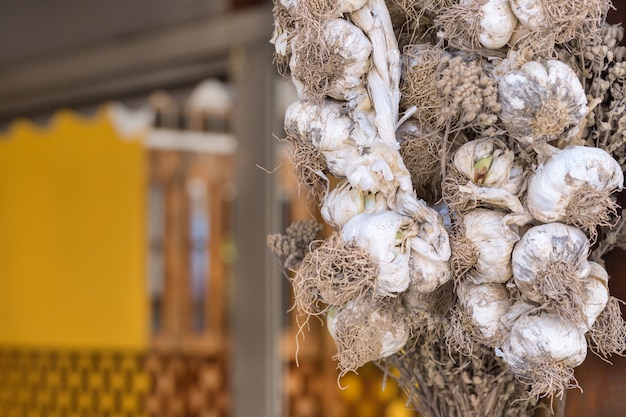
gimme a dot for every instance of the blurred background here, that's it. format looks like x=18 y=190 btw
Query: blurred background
x=139 y=178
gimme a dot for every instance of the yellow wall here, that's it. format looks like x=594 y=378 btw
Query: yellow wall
x=72 y=235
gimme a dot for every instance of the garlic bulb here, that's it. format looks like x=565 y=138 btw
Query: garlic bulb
x=597 y=290
x=485 y=304
x=331 y=61
x=487 y=162
x=490 y=175
x=377 y=167
x=349 y=6
x=426 y=274
x=529 y=13
x=549 y=265
x=346 y=201
x=574 y=186
x=496 y=24
x=327 y=127
x=366 y=324
x=493 y=241
x=385 y=237
x=542 y=102
x=539 y=341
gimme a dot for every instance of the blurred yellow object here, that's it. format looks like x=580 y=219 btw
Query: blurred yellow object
x=367 y=408
x=72 y=240
x=354 y=388
x=398 y=408
x=390 y=389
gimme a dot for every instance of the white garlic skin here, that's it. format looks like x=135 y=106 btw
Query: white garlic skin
x=597 y=291
x=345 y=201
x=497 y=24
x=542 y=102
x=349 y=6
x=327 y=127
x=485 y=304
x=501 y=169
x=537 y=340
x=546 y=245
x=347 y=41
x=494 y=242
x=393 y=339
x=552 y=187
x=377 y=167
x=427 y=274
x=529 y=13
x=384 y=236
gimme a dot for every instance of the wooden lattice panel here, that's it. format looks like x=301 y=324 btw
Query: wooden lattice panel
x=86 y=384
x=50 y=383
x=187 y=386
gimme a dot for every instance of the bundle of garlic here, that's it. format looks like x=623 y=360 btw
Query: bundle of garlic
x=466 y=154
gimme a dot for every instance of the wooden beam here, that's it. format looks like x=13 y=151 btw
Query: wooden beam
x=256 y=316
x=180 y=53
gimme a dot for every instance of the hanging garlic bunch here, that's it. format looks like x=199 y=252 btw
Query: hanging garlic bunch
x=542 y=102
x=574 y=186
x=491 y=125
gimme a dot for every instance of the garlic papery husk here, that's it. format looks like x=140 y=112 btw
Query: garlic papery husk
x=542 y=102
x=326 y=124
x=345 y=201
x=431 y=240
x=378 y=168
x=383 y=79
x=497 y=23
x=384 y=236
x=529 y=13
x=482 y=247
x=550 y=265
x=327 y=127
x=597 y=291
x=330 y=59
x=574 y=186
x=427 y=274
x=367 y=330
x=487 y=162
x=472 y=23
x=483 y=305
x=484 y=172
x=542 y=349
